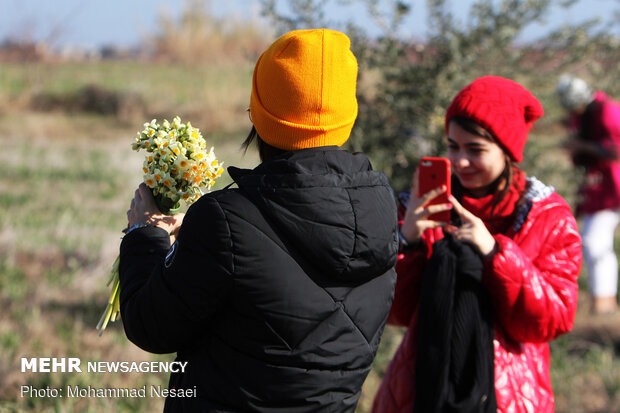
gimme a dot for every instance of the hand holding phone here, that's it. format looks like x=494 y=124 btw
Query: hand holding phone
x=435 y=173
x=432 y=174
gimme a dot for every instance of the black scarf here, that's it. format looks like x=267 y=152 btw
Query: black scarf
x=454 y=364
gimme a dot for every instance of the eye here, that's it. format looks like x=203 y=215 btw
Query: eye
x=476 y=149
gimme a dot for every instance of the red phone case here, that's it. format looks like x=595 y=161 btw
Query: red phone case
x=435 y=172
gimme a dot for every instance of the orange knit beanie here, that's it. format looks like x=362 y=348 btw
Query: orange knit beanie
x=303 y=90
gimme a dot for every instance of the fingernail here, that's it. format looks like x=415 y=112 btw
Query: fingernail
x=444 y=187
x=451 y=198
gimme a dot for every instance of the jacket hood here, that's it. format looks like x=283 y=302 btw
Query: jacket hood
x=330 y=206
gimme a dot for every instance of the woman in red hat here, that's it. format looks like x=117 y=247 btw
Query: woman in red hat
x=478 y=342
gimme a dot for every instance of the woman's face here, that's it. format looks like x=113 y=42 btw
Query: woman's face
x=476 y=161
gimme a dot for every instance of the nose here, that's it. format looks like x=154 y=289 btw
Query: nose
x=460 y=160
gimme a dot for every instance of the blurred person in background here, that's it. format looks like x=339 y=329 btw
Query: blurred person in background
x=275 y=292
x=484 y=294
x=594 y=126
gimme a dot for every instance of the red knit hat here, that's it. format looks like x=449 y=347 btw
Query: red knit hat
x=503 y=107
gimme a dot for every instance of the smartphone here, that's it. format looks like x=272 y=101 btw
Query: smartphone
x=435 y=172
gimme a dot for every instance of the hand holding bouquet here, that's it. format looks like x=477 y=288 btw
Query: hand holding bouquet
x=176 y=167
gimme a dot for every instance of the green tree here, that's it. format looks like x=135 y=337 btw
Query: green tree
x=406 y=86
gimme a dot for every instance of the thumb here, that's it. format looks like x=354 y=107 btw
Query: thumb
x=460 y=210
x=413 y=191
x=145 y=191
x=147 y=197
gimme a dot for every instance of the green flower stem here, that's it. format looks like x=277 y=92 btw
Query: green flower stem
x=112 y=310
x=166 y=205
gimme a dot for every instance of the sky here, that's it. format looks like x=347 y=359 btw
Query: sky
x=124 y=23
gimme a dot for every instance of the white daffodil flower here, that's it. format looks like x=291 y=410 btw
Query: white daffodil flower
x=176 y=166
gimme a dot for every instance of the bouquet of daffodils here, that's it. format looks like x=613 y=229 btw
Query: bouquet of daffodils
x=176 y=167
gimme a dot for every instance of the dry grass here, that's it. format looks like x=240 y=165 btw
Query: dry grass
x=65 y=183
x=64 y=192
x=199 y=37
x=66 y=180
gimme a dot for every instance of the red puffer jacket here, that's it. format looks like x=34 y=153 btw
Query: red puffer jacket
x=532 y=280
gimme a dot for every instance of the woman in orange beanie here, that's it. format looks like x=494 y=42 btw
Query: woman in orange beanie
x=276 y=292
x=484 y=294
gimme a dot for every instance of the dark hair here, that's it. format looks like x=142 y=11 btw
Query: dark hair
x=507 y=175
x=265 y=151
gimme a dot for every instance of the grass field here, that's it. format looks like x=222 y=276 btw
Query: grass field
x=66 y=180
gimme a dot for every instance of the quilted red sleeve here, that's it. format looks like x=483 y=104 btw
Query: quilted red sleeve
x=409 y=276
x=535 y=294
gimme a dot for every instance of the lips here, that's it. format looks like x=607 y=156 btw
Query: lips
x=466 y=176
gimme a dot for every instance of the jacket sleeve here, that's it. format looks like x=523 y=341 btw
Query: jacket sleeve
x=169 y=294
x=406 y=294
x=535 y=300
x=610 y=127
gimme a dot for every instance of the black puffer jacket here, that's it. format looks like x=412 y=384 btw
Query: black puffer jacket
x=276 y=293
